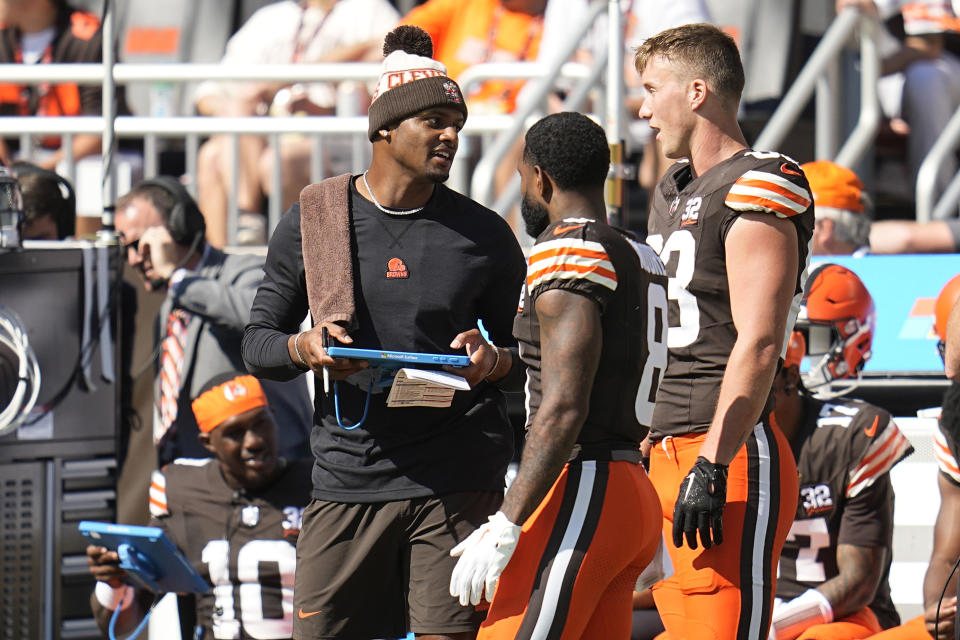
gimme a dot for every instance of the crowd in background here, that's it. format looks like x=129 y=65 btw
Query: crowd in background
x=918 y=94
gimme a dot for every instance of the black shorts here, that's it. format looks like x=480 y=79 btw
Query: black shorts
x=379 y=570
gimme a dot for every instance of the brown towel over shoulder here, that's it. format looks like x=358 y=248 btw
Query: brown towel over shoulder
x=327 y=252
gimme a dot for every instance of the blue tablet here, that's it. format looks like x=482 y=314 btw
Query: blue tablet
x=148 y=556
x=398 y=358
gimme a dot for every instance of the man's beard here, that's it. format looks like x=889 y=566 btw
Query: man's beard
x=535 y=217
x=439 y=176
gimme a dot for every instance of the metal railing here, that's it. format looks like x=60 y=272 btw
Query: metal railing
x=482 y=184
x=150 y=129
x=126 y=73
x=819 y=74
x=511 y=192
x=928 y=207
x=192 y=129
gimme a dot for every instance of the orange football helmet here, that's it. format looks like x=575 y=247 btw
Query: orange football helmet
x=837 y=320
x=941 y=310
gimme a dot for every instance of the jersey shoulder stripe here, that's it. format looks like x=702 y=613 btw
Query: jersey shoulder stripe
x=649 y=260
x=767 y=192
x=920 y=18
x=945 y=460
x=158 y=494
x=570 y=258
x=888 y=448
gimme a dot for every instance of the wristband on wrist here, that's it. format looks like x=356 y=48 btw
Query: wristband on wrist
x=808 y=609
x=496 y=363
x=111 y=597
x=296 y=347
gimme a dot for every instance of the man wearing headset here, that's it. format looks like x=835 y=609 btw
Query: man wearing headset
x=208 y=298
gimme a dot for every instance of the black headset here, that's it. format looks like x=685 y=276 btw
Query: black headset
x=70 y=199
x=187 y=226
x=65 y=226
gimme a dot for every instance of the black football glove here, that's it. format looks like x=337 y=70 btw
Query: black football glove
x=700 y=505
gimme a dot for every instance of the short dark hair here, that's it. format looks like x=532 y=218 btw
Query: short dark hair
x=44 y=197
x=704 y=51
x=161 y=199
x=571 y=148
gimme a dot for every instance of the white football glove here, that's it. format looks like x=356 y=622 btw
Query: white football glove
x=483 y=556
x=792 y=618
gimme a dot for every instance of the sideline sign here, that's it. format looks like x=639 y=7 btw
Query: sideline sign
x=904 y=289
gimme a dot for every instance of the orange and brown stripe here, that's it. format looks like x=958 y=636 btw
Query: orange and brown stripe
x=570 y=258
x=767 y=192
x=888 y=449
x=944 y=457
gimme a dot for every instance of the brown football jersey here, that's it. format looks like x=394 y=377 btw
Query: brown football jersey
x=688 y=226
x=243 y=542
x=945 y=448
x=946 y=440
x=844 y=453
x=628 y=283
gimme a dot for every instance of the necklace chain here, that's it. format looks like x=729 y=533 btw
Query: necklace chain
x=392 y=212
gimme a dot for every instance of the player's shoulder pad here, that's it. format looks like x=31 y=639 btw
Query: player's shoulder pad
x=884 y=445
x=83 y=25
x=570 y=249
x=770 y=182
x=943 y=454
x=158 y=494
x=925 y=18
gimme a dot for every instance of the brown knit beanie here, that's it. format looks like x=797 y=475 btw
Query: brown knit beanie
x=410 y=80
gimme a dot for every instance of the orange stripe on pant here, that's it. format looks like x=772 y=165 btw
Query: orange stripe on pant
x=914 y=629
x=727 y=591
x=578 y=557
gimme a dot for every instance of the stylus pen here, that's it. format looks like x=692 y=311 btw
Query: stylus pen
x=326 y=374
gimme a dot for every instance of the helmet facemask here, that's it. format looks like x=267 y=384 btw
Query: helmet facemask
x=838 y=349
x=837 y=320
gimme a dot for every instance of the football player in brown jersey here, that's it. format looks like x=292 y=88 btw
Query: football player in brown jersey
x=233 y=516
x=592 y=335
x=940 y=582
x=832 y=583
x=733 y=227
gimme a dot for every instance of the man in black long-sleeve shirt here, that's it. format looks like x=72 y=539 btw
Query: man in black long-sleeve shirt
x=396 y=488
